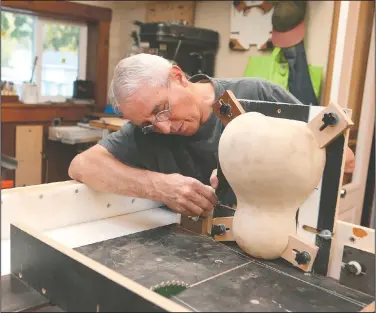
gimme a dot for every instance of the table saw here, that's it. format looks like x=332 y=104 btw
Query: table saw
x=66 y=247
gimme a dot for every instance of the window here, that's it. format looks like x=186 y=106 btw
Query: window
x=57 y=48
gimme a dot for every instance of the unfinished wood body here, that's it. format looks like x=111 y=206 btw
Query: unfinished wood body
x=313 y=211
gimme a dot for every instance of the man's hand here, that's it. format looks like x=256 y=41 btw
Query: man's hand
x=186 y=195
x=349 y=161
x=214 y=179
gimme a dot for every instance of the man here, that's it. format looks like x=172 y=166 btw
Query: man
x=169 y=149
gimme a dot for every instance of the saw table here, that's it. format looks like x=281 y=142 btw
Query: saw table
x=66 y=247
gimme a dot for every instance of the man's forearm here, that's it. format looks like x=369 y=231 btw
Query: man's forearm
x=106 y=174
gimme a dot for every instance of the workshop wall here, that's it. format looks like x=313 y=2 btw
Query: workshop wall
x=216 y=15
x=123 y=13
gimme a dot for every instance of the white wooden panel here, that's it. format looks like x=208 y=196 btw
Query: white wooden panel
x=96 y=231
x=355 y=190
x=348 y=234
x=309 y=210
x=55 y=205
x=346 y=216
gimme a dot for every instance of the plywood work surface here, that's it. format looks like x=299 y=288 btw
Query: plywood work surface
x=220 y=276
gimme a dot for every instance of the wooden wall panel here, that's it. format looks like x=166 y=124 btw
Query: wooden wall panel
x=165 y=11
x=29 y=149
x=359 y=67
x=102 y=65
x=332 y=51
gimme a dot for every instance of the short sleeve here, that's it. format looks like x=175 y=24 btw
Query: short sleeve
x=122 y=145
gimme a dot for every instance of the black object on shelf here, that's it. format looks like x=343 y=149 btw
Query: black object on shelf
x=193 y=49
x=83 y=89
x=8 y=162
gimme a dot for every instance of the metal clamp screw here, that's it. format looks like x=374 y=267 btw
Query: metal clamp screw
x=325 y=234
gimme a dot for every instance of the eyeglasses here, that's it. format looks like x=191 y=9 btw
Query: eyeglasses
x=161 y=116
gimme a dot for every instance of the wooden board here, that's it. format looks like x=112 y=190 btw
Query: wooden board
x=348 y=234
x=295 y=244
x=29 y=149
x=246 y=16
x=168 y=11
x=228 y=235
x=110 y=123
x=369 y=308
x=228 y=97
x=330 y=133
x=75 y=282
x=63 y=204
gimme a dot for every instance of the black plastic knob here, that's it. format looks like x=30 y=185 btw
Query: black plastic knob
x=225 y=109
x=329 y=119
x=303 y=258
x=218 y=230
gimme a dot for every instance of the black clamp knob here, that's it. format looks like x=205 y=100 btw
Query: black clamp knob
x=329 y=119
x=218 y=230
x=303 y=257
x=225 y=109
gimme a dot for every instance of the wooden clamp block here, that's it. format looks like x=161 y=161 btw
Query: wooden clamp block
x=227 y=107
x=196 y=224
x=298 y=251
x=227 y=223
x=329 y=124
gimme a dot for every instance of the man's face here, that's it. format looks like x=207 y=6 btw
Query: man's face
x=184 y=107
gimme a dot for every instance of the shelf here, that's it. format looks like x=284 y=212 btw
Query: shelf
x=20 y=105
x=19 y=112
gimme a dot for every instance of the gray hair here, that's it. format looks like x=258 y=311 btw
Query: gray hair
x=140 y=70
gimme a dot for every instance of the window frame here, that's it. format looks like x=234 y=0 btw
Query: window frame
x=82 y=52
x=38 y=39
x=98 y=20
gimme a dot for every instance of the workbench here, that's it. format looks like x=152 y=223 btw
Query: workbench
x=66 y=247
x=144 y=242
